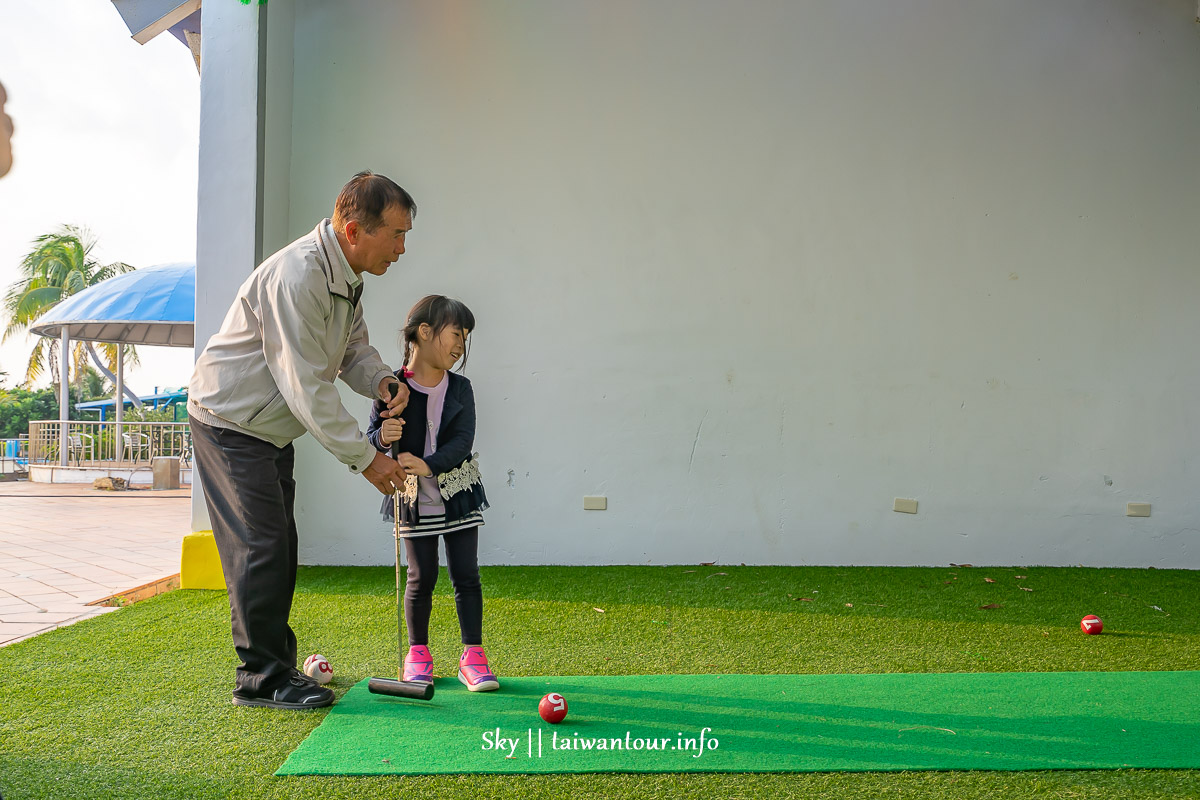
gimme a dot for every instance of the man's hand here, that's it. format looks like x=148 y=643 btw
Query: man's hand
x=395 y=394
x=415 y=465
x=385 y=474
x=390 y=430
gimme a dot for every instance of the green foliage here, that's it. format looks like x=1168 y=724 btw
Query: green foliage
x=94 y=385
x=59 y=265
x=19 y=406
x=148 y=413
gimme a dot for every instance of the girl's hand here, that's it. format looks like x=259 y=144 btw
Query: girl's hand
x=395 y=394
x=414 y=465
x=390 y=430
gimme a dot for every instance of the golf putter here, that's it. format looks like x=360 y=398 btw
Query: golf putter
x=417 y=690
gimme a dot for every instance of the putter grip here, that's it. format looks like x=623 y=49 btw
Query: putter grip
x=393 y=387
x=417 y=690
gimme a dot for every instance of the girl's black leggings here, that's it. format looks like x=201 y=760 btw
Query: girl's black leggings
x=462 y=561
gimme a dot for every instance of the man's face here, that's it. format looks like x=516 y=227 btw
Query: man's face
x=6 y=130
x=374 y=252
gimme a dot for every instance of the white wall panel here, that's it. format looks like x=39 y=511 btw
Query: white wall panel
x=752 y=270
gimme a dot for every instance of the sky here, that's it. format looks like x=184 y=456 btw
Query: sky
x=106 y=137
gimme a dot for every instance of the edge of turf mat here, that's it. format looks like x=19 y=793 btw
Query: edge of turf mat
x=768 y=723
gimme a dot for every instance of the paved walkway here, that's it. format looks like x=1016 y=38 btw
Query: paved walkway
x=63 y=546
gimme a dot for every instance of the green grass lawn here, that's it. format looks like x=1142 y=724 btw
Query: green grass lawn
x=136 y=703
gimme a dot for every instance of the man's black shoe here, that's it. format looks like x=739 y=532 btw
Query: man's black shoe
x=300 y=691
x=298 y=675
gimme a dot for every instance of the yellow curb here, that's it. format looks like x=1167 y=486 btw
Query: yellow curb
x=199 y=565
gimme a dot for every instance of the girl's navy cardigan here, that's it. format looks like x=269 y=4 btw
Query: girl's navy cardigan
x=452 y=464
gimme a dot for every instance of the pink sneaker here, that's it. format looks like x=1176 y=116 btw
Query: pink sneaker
x=418 y=664
x=474 y=673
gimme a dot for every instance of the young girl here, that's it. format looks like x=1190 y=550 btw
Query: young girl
x=443 y=496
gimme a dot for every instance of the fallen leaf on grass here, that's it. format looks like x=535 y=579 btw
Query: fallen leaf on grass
x=805 y=599
x=1025 y=589
x=990 y=606
x=947 y=583
x=849 y=605
x=1020 y=577
x=717 y=573
x=686 y=571
x=989 y=580
x=601 y=610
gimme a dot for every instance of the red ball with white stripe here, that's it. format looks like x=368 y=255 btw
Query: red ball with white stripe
x=553 y=708
x=317 y=667
x=1091 y=624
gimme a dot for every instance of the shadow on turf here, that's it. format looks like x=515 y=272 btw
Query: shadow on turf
x=1063 y=742
x=1060 y=596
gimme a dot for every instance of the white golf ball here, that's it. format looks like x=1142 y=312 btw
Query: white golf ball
x=317 y=667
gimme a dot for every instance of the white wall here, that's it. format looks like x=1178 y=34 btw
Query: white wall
x=753 y=270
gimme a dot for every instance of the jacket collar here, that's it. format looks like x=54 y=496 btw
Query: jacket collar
x=452 y=403
x=328 y=247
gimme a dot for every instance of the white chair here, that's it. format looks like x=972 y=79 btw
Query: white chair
x=137 y=447
x=79 y=444
x=185 y=451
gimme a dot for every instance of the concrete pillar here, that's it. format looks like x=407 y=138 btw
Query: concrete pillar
x=64 y=394
x=228 y=209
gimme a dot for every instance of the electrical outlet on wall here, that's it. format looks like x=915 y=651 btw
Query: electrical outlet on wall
x=595 y=503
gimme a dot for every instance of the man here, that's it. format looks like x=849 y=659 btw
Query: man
x=6 y=132
x=265 y=379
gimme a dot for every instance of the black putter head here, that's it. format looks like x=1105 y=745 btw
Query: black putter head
x=415 y=690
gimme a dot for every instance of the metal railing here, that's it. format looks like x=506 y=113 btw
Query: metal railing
x=101 y=444
x=14 y=454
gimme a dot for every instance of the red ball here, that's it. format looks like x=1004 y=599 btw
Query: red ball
x=1091 y=624
x=553 y=708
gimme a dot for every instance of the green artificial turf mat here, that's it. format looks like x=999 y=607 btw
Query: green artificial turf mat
x=769 y=723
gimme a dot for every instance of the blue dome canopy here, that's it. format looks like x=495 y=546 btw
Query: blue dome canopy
x=153 y=305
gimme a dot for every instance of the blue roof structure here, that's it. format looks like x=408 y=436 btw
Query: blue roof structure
x=159 y=400
x=153 y=305
x=155 y=400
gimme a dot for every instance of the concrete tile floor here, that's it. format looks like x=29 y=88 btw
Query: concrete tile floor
x=63 y=546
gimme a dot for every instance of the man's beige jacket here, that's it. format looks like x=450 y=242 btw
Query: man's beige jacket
x=294 y=327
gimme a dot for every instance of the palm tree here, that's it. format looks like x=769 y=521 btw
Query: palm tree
x=59 y=265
